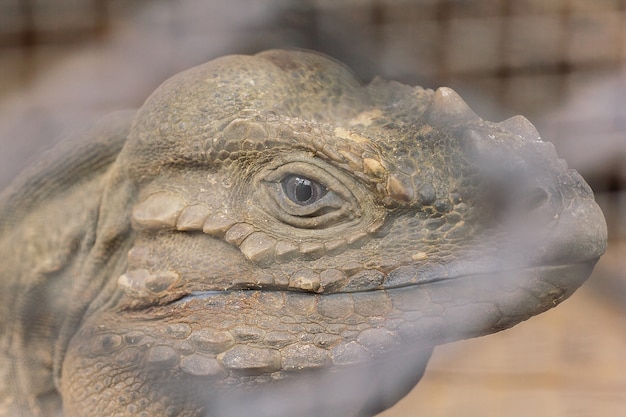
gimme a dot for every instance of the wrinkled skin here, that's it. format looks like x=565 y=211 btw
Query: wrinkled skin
x=267 y=237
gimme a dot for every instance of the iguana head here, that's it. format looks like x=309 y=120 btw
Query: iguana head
x=279 y=219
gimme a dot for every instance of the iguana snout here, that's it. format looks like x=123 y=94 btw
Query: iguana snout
x=548 y=209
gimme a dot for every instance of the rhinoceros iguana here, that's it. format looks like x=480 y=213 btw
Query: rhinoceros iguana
x=265 y=236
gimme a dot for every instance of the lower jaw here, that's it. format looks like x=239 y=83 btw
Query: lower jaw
x=470 y=310
x=432 y=314
x=235 y=337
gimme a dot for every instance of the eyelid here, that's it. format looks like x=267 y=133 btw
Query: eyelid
x=330 y=200
x=311 y=172
x=338 y=205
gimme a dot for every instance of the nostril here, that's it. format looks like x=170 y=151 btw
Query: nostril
x=527 y=211
x=533 y=201
x=513 y=197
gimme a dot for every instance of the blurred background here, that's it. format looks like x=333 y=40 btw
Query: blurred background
x=561 y=63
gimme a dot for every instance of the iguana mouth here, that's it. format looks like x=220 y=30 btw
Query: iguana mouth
x=401 y=277
x=526 y=279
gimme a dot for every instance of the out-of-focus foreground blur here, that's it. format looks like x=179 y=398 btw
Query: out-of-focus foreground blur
x=561 y=63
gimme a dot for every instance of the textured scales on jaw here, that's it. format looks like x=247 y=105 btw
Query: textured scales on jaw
x=333 y=330
x=229 y=350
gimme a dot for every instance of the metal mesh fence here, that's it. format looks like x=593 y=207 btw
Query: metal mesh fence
x=558 y=62
x=526 y=54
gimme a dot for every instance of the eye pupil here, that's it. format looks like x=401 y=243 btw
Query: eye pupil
x=304 y=190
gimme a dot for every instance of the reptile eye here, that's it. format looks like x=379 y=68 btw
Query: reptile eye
x=303 y=191
x=308 y=195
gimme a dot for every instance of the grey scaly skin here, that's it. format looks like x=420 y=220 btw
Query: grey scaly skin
x=265 y=236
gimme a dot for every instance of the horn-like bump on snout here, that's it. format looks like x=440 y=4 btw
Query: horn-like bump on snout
x=521 y=126
x=448 y=108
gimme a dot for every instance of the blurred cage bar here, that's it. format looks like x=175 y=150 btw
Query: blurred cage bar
x=35 y=32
